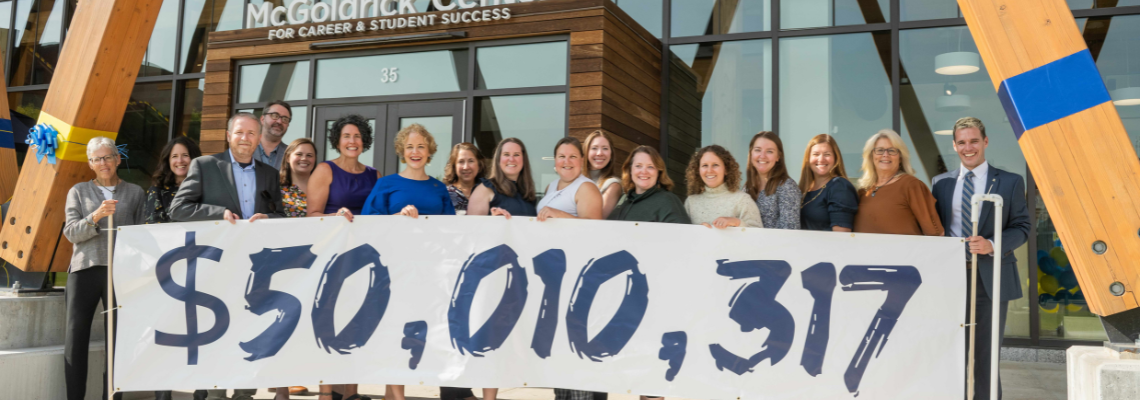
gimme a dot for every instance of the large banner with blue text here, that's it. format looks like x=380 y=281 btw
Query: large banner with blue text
x=620 y=307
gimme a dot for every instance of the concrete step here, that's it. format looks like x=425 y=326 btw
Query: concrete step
x=32 y=322
x=37 y=373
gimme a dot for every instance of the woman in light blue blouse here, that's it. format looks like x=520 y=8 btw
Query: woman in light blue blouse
x=411 y=192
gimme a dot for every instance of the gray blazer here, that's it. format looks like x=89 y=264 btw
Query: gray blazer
x=89 y=243
x=209 y=190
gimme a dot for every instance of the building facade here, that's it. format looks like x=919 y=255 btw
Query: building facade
x=675 y=74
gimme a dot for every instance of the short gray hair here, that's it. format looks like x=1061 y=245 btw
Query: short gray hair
x=99 y=142
x=230 y=124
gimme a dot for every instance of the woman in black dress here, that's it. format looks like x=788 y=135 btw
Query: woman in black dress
x=829 y=202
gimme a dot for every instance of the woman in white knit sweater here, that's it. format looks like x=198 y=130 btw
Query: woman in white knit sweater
x=715 y=198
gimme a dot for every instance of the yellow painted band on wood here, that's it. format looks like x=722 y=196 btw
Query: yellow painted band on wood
x=67 y=133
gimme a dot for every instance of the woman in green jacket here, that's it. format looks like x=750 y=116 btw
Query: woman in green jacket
x=647 y=187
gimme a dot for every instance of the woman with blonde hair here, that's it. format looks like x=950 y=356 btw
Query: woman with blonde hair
x=829 y=200
x=603 y=169
x=715 y=198
x=891 y=199
x=411 y=192
x=775 y=193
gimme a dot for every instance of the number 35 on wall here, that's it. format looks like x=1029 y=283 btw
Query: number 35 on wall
x=389 y=75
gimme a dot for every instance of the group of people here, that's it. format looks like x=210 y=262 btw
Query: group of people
x=259 y=177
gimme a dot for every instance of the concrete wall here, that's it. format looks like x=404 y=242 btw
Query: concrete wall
x=31 y=349
x=1099 y=373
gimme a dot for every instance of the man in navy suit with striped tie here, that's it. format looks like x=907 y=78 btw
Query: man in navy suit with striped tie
x=952 y=193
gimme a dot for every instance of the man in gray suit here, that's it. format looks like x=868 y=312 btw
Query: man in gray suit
x=230 y=185
x=952 y=193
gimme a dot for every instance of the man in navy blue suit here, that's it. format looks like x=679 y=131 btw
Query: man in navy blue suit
x=952 y=193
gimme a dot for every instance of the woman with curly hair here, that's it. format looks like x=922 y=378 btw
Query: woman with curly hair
x=412 y=191
x=715 y=198
x=341 y=185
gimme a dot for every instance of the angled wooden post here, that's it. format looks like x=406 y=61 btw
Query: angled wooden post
x=1072 y=137
x=87 y=98
x=8 y=170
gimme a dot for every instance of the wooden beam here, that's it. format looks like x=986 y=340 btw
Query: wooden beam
x=8 y=168
x=1072 y=138
x=90 y=88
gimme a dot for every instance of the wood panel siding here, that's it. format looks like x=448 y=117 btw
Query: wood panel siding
x=614 y=67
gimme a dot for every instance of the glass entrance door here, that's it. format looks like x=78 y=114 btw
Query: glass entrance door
x=443 y=119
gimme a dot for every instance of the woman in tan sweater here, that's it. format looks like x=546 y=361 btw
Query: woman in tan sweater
x=891 y=199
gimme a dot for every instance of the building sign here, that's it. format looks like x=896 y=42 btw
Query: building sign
x=332 y=16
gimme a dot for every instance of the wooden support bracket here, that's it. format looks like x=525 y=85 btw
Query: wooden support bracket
x=89 y=92
x=1072 y=137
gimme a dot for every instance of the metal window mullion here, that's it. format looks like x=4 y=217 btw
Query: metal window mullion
x=11 y=43
x=178 y=38
x=666 y=70
x=896 y=69
x=775 y=66
x=1034 y=302
x=469 y=104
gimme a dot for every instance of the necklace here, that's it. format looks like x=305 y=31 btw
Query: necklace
x=896 y=175
x=818 y=192
x=109 y=189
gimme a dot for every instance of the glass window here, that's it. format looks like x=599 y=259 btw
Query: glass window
x=145 y=129
x=190 y=118
x=392 y=74
x=816 y=13
x=159 y=57
x=200 y=17
x=914 y=10
x=943 y=80
x=539 y=120
x=647 y=13
x=276 y=81
x=1087 y=4
x=37 y=42
x=1063 y=311
x=719 y=93
x=27 y=103
x=524 y=65
x=1113 y=41
x=715 y=17
x=837 y=85
x=5 y=28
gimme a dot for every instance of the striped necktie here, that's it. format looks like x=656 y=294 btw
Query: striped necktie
x=967 y=198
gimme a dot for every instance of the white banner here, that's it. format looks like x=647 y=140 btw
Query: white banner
x=485 y=302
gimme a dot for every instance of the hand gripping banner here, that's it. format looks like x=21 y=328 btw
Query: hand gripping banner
x=640 y=308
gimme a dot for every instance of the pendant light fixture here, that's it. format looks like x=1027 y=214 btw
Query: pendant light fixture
x=952 y=102
x=1126 y=96
x=957 y=62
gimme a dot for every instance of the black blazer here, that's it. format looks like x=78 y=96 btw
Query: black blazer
x=1014 y=225
x=209 y=190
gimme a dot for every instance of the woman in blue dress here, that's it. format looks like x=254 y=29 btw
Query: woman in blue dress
x=411 y=192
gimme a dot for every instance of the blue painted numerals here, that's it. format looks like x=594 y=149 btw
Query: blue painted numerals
x=819 y=280
x=614 y=336
x=900 y=283
x=754 y=306
x=364 y=323
x=261 y=299
x=495 y=331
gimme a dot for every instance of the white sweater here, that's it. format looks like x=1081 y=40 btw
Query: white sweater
x=719 y=202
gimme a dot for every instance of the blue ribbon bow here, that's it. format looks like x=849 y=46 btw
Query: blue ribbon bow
x=46 y=140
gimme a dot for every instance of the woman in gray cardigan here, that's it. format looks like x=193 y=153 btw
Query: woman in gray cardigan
x=88 y=206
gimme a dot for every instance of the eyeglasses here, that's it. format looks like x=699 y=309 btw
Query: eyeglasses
x=279 y=117
x=103 y=159
x=891 y=151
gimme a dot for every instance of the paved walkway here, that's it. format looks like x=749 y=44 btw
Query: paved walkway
x=1021 y=381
